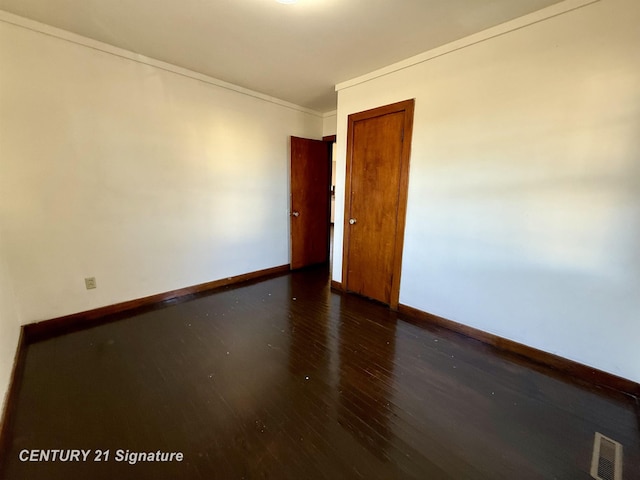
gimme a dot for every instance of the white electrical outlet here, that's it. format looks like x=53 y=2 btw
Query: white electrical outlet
x=90 y=282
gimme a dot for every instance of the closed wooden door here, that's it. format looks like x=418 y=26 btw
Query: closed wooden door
x=378 y=149
x=310 y=207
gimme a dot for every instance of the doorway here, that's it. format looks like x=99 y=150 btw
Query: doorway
x=378 y=152
x=331 y=140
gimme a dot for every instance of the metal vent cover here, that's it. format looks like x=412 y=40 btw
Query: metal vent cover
x=606 y=462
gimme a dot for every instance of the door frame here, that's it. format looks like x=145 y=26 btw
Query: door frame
x=408 y=107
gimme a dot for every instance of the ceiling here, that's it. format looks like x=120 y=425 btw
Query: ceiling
x=297 y=53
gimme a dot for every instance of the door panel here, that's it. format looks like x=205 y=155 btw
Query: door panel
x=377 y=174
x=310 y=177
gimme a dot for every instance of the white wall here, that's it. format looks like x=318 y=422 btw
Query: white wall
x=146 y=178
x=524 y=195
x=9 y=327
x=329 y=124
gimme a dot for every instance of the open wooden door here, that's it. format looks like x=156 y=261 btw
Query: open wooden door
x=378 y=148
x=310 y=207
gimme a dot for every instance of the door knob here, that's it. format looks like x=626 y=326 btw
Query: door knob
x=352 y=221
x=295 y=214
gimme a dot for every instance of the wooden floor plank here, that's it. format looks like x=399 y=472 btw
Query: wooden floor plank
x=286 y=379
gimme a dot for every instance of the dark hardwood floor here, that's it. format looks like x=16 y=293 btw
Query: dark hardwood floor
x=284 y=379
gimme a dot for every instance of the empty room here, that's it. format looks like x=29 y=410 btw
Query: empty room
x=320 y=239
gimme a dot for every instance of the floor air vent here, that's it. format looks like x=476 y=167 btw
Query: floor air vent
x=606 y=463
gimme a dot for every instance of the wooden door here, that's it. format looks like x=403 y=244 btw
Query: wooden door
x=378 y=149
x=310 y=190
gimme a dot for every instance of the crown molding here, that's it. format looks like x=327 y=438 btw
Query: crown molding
x=502 y=29
x=67 y=36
